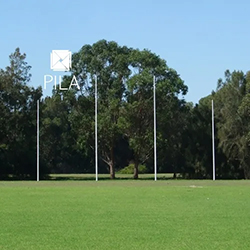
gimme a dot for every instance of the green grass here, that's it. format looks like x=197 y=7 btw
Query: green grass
x=125 y=214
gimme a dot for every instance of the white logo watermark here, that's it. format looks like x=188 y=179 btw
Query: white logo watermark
x=60 y=60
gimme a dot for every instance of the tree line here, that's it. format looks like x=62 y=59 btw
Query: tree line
x=125 y=119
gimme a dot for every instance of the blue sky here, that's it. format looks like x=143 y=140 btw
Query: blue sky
x=199 y=39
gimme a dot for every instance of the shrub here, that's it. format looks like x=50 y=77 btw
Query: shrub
x=130 y=169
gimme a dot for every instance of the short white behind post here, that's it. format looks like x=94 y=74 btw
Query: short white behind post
x=37 y=146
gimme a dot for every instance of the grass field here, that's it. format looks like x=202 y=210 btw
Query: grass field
x=125 y=214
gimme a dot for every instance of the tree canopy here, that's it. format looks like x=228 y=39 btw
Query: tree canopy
x=125 y=118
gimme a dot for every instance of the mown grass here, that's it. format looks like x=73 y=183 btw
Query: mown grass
x=125 y=214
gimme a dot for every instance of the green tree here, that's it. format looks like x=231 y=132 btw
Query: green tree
x=109 y=63
x=18 y=122
x=137 y=118
x=233 y=128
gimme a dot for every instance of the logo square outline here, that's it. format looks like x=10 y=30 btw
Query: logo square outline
x=60 y=60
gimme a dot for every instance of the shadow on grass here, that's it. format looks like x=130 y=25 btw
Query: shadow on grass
x=101 y=178
x=89 y=177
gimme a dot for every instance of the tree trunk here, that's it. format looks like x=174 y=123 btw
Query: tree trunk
x=136 y=168
x=112 y=164
x=246 y=171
